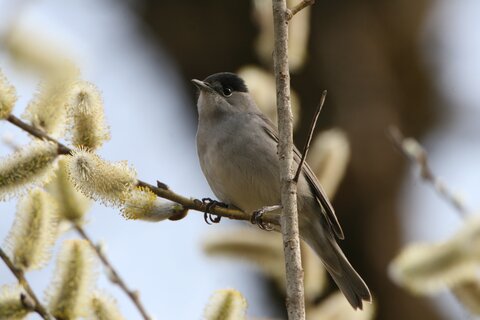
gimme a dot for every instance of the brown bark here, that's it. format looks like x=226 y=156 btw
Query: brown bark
x=289 y=220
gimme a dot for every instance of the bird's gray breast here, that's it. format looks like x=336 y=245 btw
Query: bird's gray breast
x=239 y=160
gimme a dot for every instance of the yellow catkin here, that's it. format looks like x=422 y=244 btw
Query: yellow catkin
x=29 y=165
x=99 y=179
x=228 y=304
x=87 y=121
x=265 y=249
x=11 y=306
x=70 y=292
x=329 y=156
x=8 y=97
x=142 y=204
x=34 y=230
x=104 y=307
x=72 y=204
x=48 y=109
x=427 y=268
x=32 y=50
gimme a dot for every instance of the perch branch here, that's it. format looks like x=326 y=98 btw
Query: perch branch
x=412 y=149
x=289 y=220
x=163 y=192
x=18 y=273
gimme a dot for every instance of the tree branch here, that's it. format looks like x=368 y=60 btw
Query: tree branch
x=18 y=273
x=412 y=149
x=187 y=203
x=289 y=218
x=113 y=274
x=299 y=7
x=310 y=135
x=62 y=149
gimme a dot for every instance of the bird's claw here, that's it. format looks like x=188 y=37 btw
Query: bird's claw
x=257 y=219
x=209 y=205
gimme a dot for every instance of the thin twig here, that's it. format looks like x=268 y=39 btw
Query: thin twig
x=412 y=149
x=299 y=7
x=289 y=219
x=62 y=149
x=187 y=203
x=114 y=276
x=310 y=135
x=18 y=273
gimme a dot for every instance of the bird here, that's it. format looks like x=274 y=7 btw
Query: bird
x=237 y=151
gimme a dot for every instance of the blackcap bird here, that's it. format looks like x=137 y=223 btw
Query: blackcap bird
x=237 y=148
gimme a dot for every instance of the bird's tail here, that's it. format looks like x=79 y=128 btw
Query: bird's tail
x=347 y=279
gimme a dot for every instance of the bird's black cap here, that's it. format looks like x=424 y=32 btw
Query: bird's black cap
x=226 y=80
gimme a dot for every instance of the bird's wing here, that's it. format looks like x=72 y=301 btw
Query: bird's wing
x=320 y=194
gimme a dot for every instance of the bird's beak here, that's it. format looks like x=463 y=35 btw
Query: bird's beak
x=202 y=85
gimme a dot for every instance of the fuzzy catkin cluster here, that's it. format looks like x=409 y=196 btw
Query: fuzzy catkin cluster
x=87 y=125
x=48 y=109
x=104 y=307
x=30 y=166
x=72 y=205
x=99 y=179
x=69 y=293
x=11 y=306
x=142 y=204
x=424 y=268
x=8 y=97
x=427 y=268
x=34 y=230
x=226 y=304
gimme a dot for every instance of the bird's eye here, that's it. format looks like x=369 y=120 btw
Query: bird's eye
x=227 y=92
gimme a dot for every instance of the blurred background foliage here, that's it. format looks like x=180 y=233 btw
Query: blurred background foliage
x=379 y=69
x=366 y=54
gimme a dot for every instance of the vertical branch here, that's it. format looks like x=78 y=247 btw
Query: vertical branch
x=289 y=220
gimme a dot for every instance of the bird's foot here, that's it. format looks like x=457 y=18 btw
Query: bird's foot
x=257 y=217
x=209 y=205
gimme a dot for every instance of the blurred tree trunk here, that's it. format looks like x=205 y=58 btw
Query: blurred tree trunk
x=366 y=54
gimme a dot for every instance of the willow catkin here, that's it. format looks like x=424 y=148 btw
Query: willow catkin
x=32 y=50
x=70 y=291
x=142 y=204
x=72 y=204
x=104 y=307
x=48 y=109
x=8 y=97
x=430 y=267
x=30 y=165
x=228 y=304
x=99 y=179
x=86 y=117
x=11 y=306
x=34 y=230
x=329 y=157
x=265 y=249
